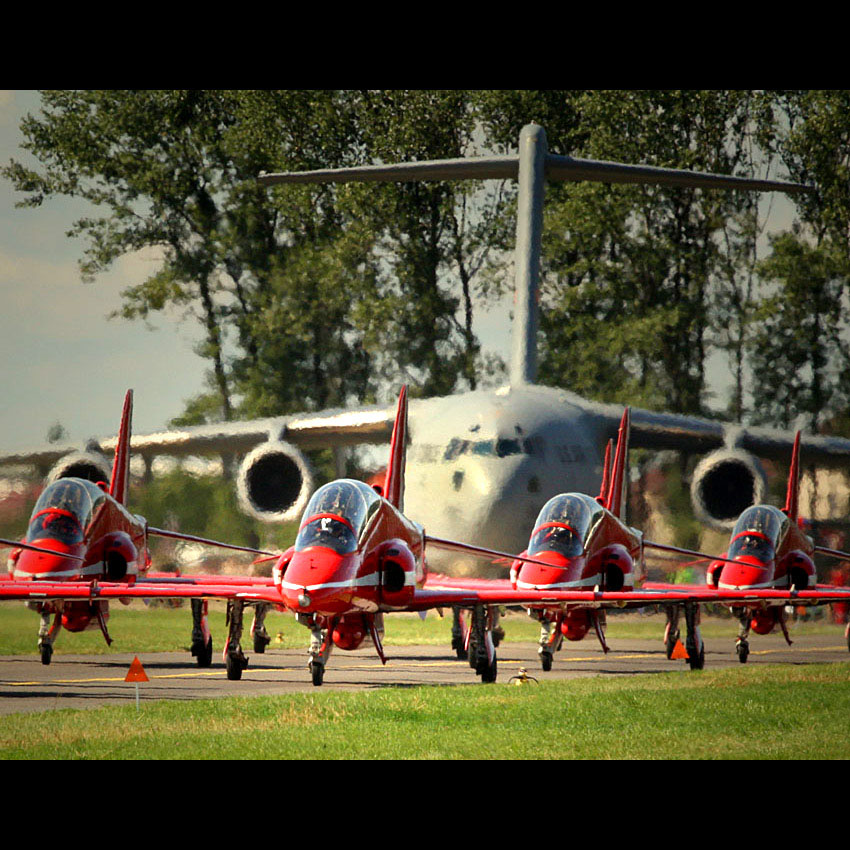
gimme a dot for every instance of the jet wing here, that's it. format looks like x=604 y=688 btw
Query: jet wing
x=695 y=435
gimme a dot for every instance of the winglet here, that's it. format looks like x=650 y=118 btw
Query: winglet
x=606 y=475
x=792 y=497
x=615 y=491
x=121 y=465
x=394 y=481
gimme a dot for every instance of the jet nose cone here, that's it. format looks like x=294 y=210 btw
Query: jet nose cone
x=560 y=572
x=318 y=581
x=747 y=572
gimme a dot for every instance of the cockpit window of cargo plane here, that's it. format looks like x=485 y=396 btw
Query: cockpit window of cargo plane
x=336 y=516
x=500 y=447
x=564 y=524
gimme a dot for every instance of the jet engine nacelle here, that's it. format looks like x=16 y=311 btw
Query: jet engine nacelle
x=615 y=564
x=724 y=484
x=799 y=568
x=274 y=482
x=397 y=571
x=90 y=465
x=119 y=555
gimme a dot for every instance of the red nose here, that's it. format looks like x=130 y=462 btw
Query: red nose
x=320 y=581
x=562 y=570
x=44 y=567
x=747 y=572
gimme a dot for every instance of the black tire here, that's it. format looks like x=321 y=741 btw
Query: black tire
x=317 y=672
x=235 y=666
x=696 y=659
x=46 y=651
x=743 y=650
x=260 y=643
x=204 y=654
x=489 y=671
x=546 y=661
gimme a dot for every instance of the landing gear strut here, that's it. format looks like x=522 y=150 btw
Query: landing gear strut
x=482 y=652
x=258 y=628
x=321 y=644
x=459 y=636
x=234 y=658
x=202 y=645
x=693 y=640
x=671 y=632
x=550 y=640
x=742 y=646
x=47 y=633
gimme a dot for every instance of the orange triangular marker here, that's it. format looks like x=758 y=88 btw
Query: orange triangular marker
x=679 y=651
x=136 y=673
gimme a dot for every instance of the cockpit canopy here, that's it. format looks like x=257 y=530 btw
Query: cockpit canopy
x=336 y=516
x=758 y=532
x=64 y=510
x=564 y=524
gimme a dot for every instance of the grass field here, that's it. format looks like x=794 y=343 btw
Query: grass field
x=756 y=712
x=138 y=628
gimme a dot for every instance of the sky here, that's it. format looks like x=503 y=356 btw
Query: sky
x=63 y=360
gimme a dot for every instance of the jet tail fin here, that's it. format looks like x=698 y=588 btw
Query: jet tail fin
x=394 y=480
x=602 y=498
x=614 y=501
x=791 y=508
x=121 y=465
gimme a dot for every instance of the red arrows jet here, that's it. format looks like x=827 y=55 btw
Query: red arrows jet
x=769 y=563
x=81 y=532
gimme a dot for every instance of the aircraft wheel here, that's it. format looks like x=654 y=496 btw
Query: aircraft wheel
x=697 y=660
x=235 y=666
x=317 y=672
x=204 y=654
x=743 y=650
x=462 y=654
x=261 y=642
x=546 y=661
x=46 y=651
x=488 y=671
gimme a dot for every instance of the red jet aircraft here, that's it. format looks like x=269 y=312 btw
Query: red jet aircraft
x=81 y=532
x=769 y=564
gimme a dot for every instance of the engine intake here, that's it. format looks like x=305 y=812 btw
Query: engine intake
x=725 y=483
x=274 y=482
x=90 y=465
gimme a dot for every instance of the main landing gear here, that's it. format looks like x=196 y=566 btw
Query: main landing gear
x=258 y=628
x=202 y=643
x=234 y=658
x=693 y=640
x=694 y=646
x=481 y=648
